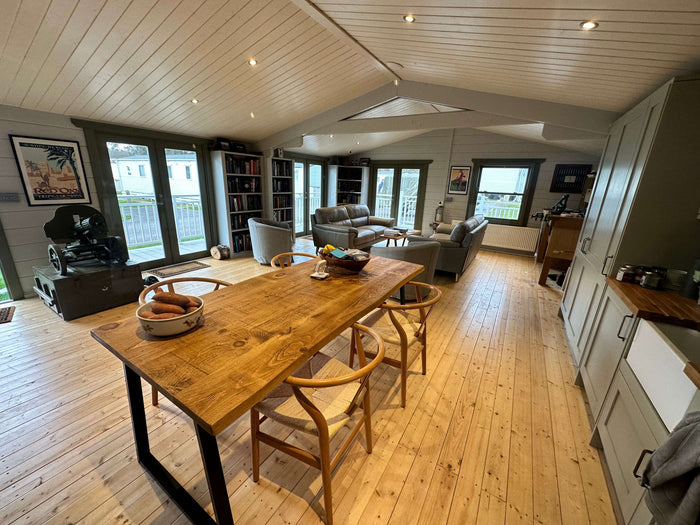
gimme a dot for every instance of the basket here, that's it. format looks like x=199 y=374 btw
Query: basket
x=345 y=266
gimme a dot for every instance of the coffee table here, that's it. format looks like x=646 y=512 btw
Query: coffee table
x=401 y=236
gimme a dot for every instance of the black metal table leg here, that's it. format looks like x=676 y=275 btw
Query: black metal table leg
x=210 y=458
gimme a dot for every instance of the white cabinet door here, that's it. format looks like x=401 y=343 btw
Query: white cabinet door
x=580 y=303
x=612 y=327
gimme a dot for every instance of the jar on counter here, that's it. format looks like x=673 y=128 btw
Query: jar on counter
x=653 y=278
x=626 y=273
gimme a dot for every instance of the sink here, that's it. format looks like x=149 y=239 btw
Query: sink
x=657 y=356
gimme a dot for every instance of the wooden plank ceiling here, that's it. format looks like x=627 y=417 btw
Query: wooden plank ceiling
x=531 y=48
x=140 y=62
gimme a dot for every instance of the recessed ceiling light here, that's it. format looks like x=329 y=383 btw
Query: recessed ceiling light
x=587 y=26
x=331 y=135
x=357 y=143
x=409 y=18
x=194 y=101
x=252 y=62
x=252 y=115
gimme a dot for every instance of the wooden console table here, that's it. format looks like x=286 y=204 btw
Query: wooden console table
x=562 y=235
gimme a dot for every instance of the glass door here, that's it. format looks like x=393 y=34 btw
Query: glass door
x=308 y=194
x=158 y=191
x=398 y=193
x=139 y=209
x=4 y=292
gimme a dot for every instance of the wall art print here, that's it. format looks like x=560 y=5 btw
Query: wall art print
x=51 y=170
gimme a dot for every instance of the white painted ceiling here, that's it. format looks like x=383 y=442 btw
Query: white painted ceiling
x=140 y=62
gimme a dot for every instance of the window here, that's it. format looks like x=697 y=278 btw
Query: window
x=399 y=191
x=188 y=173
x=142 y=170
x=501 y=189
x=170 y=171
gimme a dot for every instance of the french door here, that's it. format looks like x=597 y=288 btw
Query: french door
x=308 y=193
x=398 y=193
x=157 y=195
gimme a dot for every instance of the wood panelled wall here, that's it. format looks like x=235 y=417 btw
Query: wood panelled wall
x=23 y=224
x=458 y=147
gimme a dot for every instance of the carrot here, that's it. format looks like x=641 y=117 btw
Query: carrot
x=165 y=316
x=163 y=308
x=171 y=298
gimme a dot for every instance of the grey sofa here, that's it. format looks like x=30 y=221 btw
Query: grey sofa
x=347 y=226
x=425 y=253
x=458 y=244
x=269 y=238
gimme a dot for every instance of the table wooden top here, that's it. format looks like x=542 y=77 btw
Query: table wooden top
x=255 y=334
x=662 y=306
x=400 y=236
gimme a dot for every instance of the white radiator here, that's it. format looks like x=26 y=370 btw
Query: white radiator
x=511 y=238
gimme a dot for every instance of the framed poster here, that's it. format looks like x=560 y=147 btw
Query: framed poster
x=459 y=180
x=51 y=170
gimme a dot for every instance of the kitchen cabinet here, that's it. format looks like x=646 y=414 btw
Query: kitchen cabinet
x=627 y=426
x=580 y=304
x=611 y=330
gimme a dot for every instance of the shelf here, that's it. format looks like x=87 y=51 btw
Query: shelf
x=287 y=208
x=246 y=211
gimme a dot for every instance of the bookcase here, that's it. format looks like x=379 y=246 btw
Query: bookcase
x=239 y=196
x=282 y=176
x=347 y=185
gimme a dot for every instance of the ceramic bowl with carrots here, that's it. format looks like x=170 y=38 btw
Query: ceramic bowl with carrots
x=170 y=313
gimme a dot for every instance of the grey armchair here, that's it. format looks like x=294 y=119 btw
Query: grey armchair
x=269 y=238
x=425 y=253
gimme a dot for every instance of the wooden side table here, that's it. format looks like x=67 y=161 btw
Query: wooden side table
x=561 y=243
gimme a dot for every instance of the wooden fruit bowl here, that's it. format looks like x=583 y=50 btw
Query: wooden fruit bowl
x=344 y=265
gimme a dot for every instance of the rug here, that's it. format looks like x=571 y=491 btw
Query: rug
x=6 y=314
x=177 y=269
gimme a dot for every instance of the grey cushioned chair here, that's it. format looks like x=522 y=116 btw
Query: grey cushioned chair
x=269 y=238
x=459 y=244
x=425 y=253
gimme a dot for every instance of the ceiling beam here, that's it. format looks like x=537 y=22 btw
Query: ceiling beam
x=454 y=119
x=348 y=109
x=329 y=24
x=568 y=116
x=552 y=132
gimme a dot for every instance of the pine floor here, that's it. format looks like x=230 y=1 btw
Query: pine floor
x=496 y=432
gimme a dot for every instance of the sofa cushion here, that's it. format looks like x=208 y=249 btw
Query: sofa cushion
x=473 y=222
x=444 y=240
x=443 y=227
x=337 y=215
x=376 y=228
x=356 y=211
x=458 y=232
x=364 y=235
x=360 y=221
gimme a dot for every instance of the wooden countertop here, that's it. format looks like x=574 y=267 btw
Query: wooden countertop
x=662 y=306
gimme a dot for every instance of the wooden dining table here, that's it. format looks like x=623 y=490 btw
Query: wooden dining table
x=255 y=334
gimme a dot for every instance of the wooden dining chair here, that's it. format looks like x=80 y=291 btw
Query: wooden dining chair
x=186 y=285
x=403 y=327
x=286 y=259
x=320 y=398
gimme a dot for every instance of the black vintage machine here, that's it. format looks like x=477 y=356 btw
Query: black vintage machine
x=83 y=230
x=91 y=272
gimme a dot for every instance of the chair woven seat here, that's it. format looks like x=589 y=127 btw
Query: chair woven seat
x=333 y=402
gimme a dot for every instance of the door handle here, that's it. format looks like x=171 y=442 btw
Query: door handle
x=639 y=463
x=583 y=245
x=622 y=324
x=605 y=263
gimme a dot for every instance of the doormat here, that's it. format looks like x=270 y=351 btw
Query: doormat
x=6 y=314
x=177 y=269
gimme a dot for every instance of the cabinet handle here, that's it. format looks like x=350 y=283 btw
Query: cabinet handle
x=583 y=245
x=622 y=324
x=639 y=463
x=605 y=263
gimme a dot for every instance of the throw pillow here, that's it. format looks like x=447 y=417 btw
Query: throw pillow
x=458 y=232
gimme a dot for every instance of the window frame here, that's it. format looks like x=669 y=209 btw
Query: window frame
x=533 y=166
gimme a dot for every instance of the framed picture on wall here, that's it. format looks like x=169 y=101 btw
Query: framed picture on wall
x=459 y=180
x=51 y=170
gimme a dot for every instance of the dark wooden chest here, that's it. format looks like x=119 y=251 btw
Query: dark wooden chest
x=90 y=290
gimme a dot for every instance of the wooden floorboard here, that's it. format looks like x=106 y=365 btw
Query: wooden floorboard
x=496 y=431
